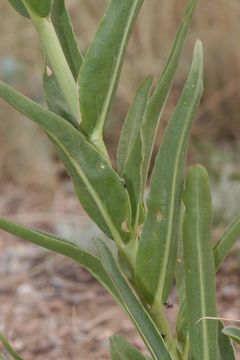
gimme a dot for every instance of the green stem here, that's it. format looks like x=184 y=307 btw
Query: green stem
x=159 y=317
x=57 y=62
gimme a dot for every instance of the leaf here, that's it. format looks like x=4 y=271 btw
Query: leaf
x=98 y=186
x=199 y=265
x=130 y=148
x=103 y=62
x=120 y=349
x=225 y=345
x=132 y=124
x=226 y=242
x=156 y=103
x=61 y=246
x=9 y=348
x=18 y=5
x=63 y=27
x=134 y=308
x=40 y=8
x=156 y=256
x=221 y=250
x=233 y=333
x=54 y=97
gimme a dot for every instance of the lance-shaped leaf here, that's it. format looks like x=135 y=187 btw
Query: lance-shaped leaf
x=157 y=249
x=18 y=5
x=199 y=265
x=233 y=333
x=64 y=247
x=120 y=349
x=220 y=250
x=9 y=348
x=98 y=186
x=134 y=308
x=223 y=246
x=103 y=63
x=130 y=147
x=63 y=27
x=40 y=8
x=156 y=104
x=139 y=159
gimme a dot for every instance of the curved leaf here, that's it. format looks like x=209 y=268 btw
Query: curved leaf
x=199 y=266
x=103 y=63
x=61 y=246
x=98 y=186
x=233 y=333
x=134 y=308
x=156 y=256
x=120 y=349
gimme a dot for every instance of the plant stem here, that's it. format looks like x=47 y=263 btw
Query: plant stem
x=159 y=317
x=57 y=62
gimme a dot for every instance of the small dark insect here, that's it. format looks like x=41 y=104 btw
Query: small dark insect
x=163 y=336
x=168 y=305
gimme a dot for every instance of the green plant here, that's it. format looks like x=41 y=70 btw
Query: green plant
x=166 y=239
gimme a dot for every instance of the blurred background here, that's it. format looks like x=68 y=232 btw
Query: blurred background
x=36 y=191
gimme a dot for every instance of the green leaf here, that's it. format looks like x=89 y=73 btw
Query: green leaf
x=226 y=242
x=130 y=146
x=233 y=333
x=63 y=27
x=221 y=250
x=134 y=308
x=156 y=256
x=103 y=63
x=54 y=97
x=156 y=104
x=132 y=124
x=199 y=265
x=9 y=348
x=225 y=345
x=61 y=246
x=18 y=5
x=40 y=8
x=179 y=270
x=120 y=349
x=98 y=186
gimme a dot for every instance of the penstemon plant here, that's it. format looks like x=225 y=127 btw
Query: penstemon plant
x=163 y=241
